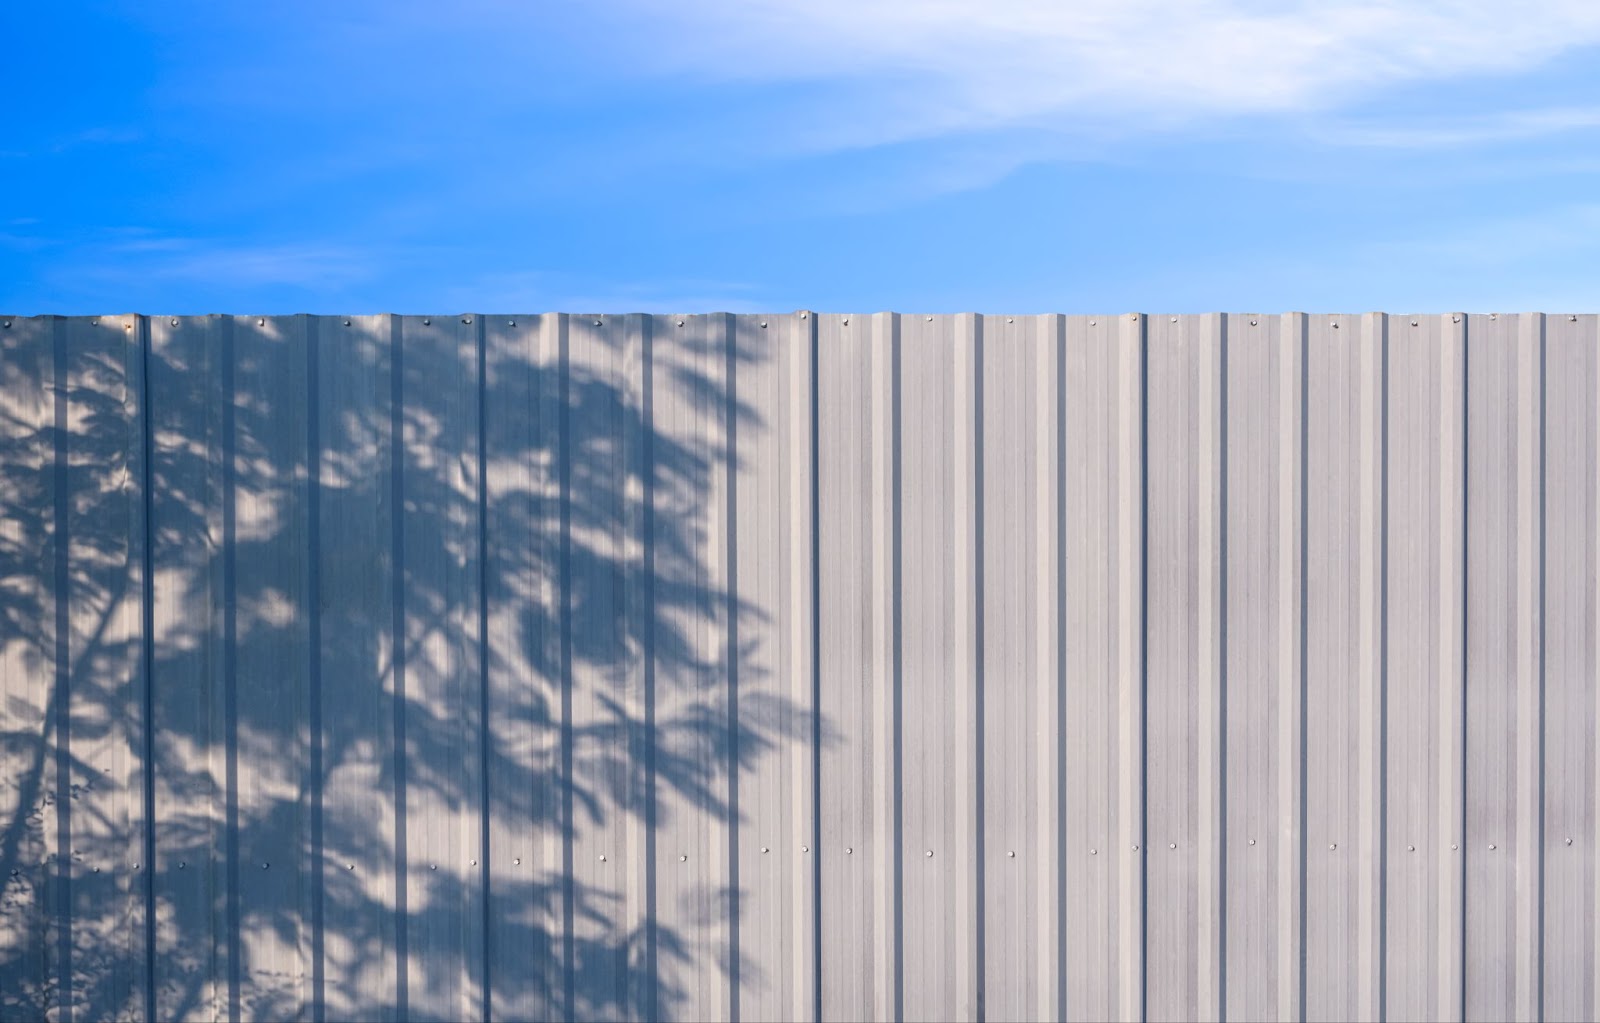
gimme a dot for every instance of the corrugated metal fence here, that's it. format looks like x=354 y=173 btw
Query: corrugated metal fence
x=800 y=666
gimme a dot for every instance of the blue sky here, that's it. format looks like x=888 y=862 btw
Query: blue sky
x=922 y=155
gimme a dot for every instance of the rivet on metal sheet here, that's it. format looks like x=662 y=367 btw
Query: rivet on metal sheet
x=1252 y=841
x=802 y=316
x=1494 y=316
x=1174 y=319
x=426 y=322
x=1136 y=847
x=805 y=848
x=97 y=870
x=433 y=866
x=930 y=319
x=466 y=319
x=1572 y=319
x=602 y=857
x=1010 y=319
x=847 y=323
x=1411 y=848
x=597 y=323
x=683 y=859
x=1336 y=325
x=511 y=323
x=174 y=321
x=1091 y=323
x=259 y=323
x=1252 y=323
x=1455 y=319
x=1454 y=846
x=1413 y=323
x=517 y=861
x=763 y=849
x=349 y=866
x=1012 y=854
x=1491 y=847
x=1333 y=845
x=1094 y=852
x=929 y=854
x=1569 y=841
x=680 y=323
x=136 y=866
x=848 y=850
x=472 y=863
x=763 y=324
x=347 y=323
x=1172 y=845
x=182 y=864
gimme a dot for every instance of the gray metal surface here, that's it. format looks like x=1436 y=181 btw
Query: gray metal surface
x=1224 y=666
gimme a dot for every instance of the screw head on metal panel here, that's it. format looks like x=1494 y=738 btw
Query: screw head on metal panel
x=602 y=857
x=848 y=851
x=136 y=866
x=347 y=323
x=174 y=321
x=1572 y=319
x=1333 y=845
x=349 y=866
x=1136 y=847
x=1094 y=852
x=472 y=863
x=517 y=861
x=683 y=859
x=805 y=848
x=930 y=319
x=265 y=864
x=847 y=322
x=466 y=319
x=1174 y=319
x=1010 y=319
x=763 y=850
x=127 y=326
x=511 y=323
x=1012 y=854
x=1091 y=323
x=597 y=323
x=1336 y=325
x=8 y=324
x=1494 y=316
x=1491 y=847
x=1172 y=845
x=427 y=321
x=182 y=864
x=763 y=324
x=802 y=316
x=929 y=854
x=1454 y=846
x=433 y=866
x=1252 y=323
x=260 y=323
x=1413 y=323
x=1569 y=841
x=97 y=870
x=1252 y=841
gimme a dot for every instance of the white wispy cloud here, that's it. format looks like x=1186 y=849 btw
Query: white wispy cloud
x=941 y=66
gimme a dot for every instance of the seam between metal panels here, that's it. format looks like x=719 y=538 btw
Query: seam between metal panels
x=816 y=680
x=731 y=647
x=981 y=952
x=564 y=470
x=647 y=575
x=1061 y=668
x=1539 y=834
x=397 y=639
x=485 y=737
x=1466 y=591
x=230 y=661
x=60 y=552
x=147 y=657
x=896 y=677
x=1222 y=671
x=1303 y=400
x=1144 y=664
x=1383 y=674
x=314 y=682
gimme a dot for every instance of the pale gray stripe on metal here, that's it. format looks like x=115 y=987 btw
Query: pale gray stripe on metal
x=762 y=667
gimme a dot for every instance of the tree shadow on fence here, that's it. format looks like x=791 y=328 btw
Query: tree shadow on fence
x=437 y=608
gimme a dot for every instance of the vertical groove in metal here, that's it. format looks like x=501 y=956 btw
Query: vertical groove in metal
x=1540 y=788
x=564 y=596
x=896 y=711
x=314 y=680
x=485 y=734
x=1302 y=404
x=647 y=578
x=147 y=654
x=730 y=459
x=1143 y=829
x=1221 y=463
x=980 y=937
x=1060 y=732
x=1466 y=603
x=397 y=660
x=1382 y=951
x=230 y=662
x=60 y=397
x=814 y=449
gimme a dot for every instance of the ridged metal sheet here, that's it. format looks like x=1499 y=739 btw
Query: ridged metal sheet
x=800 y=666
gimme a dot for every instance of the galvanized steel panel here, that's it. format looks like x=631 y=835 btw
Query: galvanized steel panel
x=797 y=666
